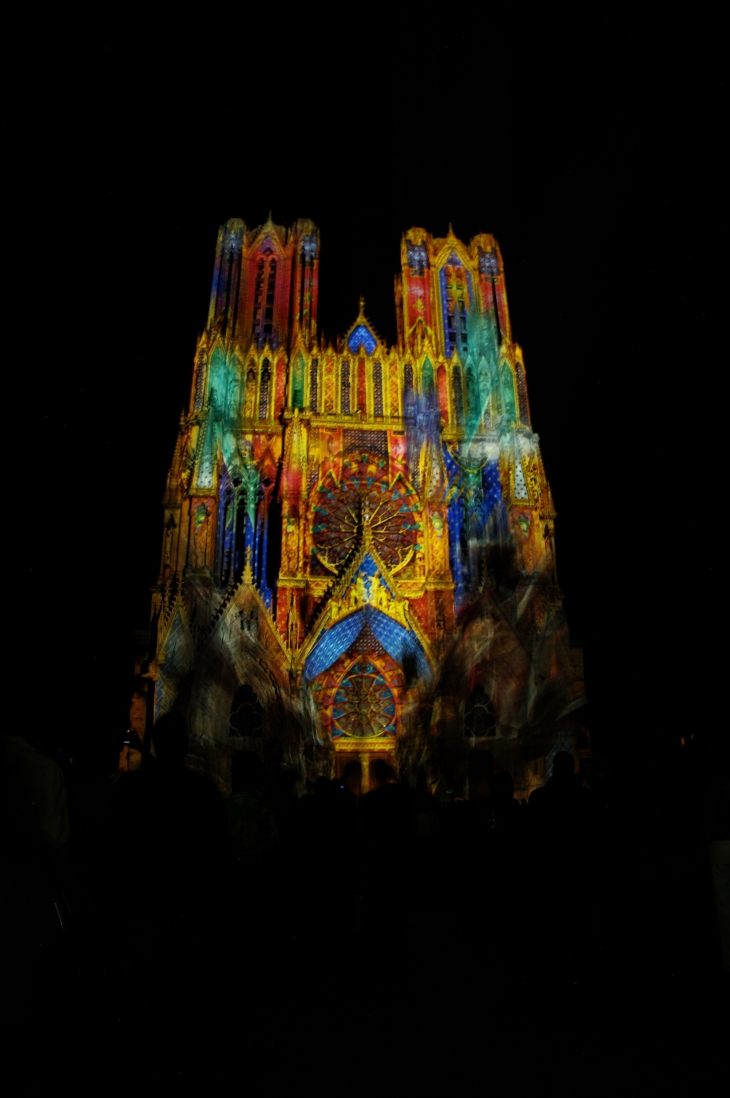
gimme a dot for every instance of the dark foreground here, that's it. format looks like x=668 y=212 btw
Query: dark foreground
x=395 y=946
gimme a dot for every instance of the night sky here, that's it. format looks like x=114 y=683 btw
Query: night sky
x=591 y=151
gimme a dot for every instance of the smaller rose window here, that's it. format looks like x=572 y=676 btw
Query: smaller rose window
x=363 y=705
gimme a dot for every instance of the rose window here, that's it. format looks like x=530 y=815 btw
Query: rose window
x=363 y=705
x=365 y=499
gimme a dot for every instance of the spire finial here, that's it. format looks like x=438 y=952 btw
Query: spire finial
x=248 y=570
x=362 y=305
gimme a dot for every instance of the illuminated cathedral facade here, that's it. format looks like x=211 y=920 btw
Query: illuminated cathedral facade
x=358 y=553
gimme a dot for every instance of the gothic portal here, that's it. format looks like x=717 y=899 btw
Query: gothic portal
x=358 y=548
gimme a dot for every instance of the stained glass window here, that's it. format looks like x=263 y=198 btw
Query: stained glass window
x=200 y=381
x=427 y=376
x=360 y=387
x=455 y=301
x=264 y=293
x=363 y=705
x=314 y=384
x=309 y=246
x=458 y=395
x=298 y=383
x=365 y=497
x=257 y=296
x=377 y=389
x=479 y=719
x=345 y=387
x=374 y=442
x=264 y=391
x=522 y=394
x=489 y=264
x=508 y=392
x=417 y=259
x=408 y=379
x=472 y=399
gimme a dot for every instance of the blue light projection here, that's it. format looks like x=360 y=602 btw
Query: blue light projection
x=476 y=517
x=397 y=641
x=361 y=336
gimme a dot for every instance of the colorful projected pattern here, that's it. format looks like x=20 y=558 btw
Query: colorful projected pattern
x=359 y=540
x=362 y=337
x=364 y=705
x=365 y=498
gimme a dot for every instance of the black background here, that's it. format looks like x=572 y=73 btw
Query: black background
x=590 y=148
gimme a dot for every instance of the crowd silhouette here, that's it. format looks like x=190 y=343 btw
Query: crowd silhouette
x=133 y=888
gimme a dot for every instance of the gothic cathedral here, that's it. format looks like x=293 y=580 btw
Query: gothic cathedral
x=358 y=540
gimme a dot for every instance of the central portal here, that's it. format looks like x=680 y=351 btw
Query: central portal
x=354 y=764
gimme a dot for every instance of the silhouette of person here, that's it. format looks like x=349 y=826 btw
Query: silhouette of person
x=388 y=837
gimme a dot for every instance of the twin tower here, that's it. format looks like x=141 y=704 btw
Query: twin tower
x=358 y=540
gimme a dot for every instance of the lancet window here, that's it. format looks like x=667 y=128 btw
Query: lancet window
x=298 y=383
x=458 y=395
x=427 y=376
x=407 y=384
x=522 y=394
x=263 y=306
x=361 y=388
x=417 y=259
x=472 y=397
x=264 y=390
x=345 y=387
x=455 y=302
x=250 y=402
x=200 y=381
x=314 y=384
x=508 y=392
x=377 y=389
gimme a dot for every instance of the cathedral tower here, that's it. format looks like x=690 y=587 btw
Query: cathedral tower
x=358 y=541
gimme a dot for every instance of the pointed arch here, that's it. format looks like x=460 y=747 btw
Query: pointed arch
x=250 y=399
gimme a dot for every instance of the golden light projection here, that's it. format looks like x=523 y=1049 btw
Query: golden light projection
x=358 y=547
